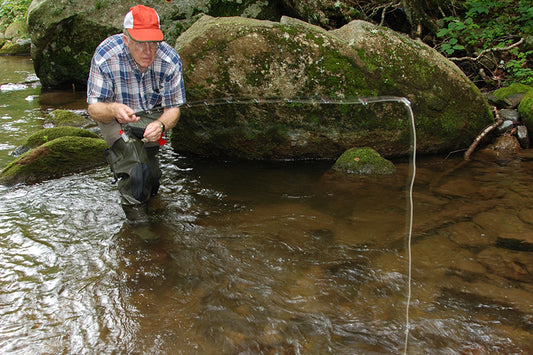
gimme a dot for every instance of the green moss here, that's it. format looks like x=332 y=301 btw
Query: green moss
x=53 y=159
x=13 y=48
x=516 y=88
x=363 y=161
x=49 y=134
x=526 y=109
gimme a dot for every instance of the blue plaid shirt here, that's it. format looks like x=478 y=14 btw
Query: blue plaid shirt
x=115 y=77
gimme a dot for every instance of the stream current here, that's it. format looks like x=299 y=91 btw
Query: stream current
x=260 y=258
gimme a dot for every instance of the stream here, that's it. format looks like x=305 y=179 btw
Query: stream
x=261 y=258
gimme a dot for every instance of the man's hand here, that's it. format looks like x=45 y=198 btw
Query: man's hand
x=106 y=112
x=153 y=131
x=123 y=113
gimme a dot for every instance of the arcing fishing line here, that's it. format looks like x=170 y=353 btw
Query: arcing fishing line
x=355 y=101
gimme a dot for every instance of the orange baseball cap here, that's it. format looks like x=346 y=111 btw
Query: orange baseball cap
x=142 y=24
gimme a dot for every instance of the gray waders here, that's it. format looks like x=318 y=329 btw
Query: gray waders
x=136 y=168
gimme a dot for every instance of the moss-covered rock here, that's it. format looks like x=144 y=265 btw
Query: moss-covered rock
x=292 y=60
x=363 y=161
x=20 y=47
x=505 y=97
x=61 y=156
x=526 y=110
x=49 y=134
x=58 y=118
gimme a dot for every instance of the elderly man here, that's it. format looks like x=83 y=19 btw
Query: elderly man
x=134 y=92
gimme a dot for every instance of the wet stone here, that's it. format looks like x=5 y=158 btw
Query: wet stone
x=506 y=126
x=523 y=137
x=512 y=101
x=510 y=115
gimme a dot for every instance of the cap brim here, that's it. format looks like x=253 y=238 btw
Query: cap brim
x=146 y=35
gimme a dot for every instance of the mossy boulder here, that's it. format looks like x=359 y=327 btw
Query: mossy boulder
x=526 y=109
x=58 y=118
x=363 y=161
x=509 y=96
x=61 y=156
x=49 y=134
x=305 y=67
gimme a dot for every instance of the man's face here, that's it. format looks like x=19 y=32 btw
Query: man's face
x=142 y=52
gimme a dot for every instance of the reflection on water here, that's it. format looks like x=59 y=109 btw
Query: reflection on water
x=266 y=258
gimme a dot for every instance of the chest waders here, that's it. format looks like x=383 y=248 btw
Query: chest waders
x=134 y=163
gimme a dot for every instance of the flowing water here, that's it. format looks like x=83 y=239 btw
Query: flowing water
x=261 y=258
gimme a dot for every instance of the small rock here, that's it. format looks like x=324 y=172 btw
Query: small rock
x=523 y=137
x=501 y=97
x=506 y=126
x=363 y=161
x=512 y=101
x=510 y=115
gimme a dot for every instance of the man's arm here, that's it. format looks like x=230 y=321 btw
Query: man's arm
x=107 y=112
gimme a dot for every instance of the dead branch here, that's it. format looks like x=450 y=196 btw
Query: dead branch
x=485 y=51
x=482 y=135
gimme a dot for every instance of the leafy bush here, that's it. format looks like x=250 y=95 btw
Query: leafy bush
x=13 y=10
x=487 y=27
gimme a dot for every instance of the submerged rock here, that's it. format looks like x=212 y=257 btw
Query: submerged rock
x=504 y=148
x=53 y=159
x=363 y=161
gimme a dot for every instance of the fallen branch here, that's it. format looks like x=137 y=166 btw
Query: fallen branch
x=482 y=135
x=485 y=51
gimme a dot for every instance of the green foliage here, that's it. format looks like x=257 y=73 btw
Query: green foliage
x=491 y=24
x=13 y=10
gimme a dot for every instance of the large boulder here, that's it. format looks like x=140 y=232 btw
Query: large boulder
x=245 y=58
x=65 y=34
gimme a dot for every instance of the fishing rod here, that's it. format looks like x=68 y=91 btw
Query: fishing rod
x=314 y=101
